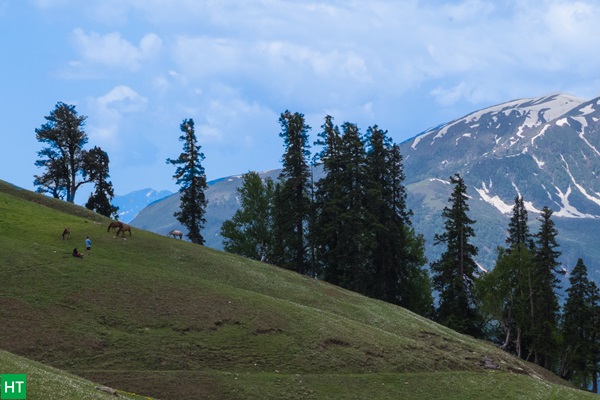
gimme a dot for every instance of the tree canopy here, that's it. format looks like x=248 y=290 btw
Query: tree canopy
x=190 y=175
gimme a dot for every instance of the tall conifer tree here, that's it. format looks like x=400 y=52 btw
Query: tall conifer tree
x=293 y=197
x=578 y=329
x=192 y=180
x=329 y=203
x=545 y=282
x=507 y=286
x=454 y=273
x=96 y=169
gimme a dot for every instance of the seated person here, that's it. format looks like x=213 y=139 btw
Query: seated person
x=76 y=253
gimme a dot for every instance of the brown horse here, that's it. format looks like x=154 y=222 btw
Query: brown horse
x=114 y=225
x=175 y=233
x=124 y=228
x=66 y=233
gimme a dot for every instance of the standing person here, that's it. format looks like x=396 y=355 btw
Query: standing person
x=88 y=245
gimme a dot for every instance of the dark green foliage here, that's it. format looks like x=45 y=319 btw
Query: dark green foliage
x=343 y=240
x=97 y=170
x=505 y=290
x=397 y=254
x=293 y=198
x=249 y=232
x=545 y=307
x=505 y=297
x=63 y=159
x=454 y=273
x=580 y=353
x=518 y=230
x=192 y=180
x=363 y=236
x=329 y=203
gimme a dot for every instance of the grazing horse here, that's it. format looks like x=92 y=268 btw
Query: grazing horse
x=114 y=225
x=175 y=233
x=66 y=233
x=124 y=228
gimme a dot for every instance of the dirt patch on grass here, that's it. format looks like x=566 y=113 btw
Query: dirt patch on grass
x=336 y=342
x=267 y=331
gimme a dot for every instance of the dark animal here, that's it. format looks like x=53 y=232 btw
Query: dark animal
x=66 y=233
x=114 y=225
x=175 y=233
x=124 y=228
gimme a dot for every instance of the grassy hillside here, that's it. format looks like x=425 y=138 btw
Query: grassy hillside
x=169 y=319
x=49 y=383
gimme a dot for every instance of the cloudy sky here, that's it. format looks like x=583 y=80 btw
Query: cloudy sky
x=137 y=68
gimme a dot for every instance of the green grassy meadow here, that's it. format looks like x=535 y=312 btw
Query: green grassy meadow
x=168 y=319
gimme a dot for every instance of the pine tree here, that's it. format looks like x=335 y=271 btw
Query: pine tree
x=249 y=232
x=454 y=273
x=294 y=196
x=397 y=255
x=505 y=289
x=544 y=300
x=355 y=238
x=63 y=159
x=578 y=329
x=518 y=230
x=192 y=180
x=329 y=203
x=97 y=170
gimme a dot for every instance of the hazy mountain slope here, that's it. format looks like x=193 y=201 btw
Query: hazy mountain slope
x=222 y=203
x=171 y=319
x=132 y=203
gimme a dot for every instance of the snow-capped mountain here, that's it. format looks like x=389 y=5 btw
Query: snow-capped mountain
x=132 y=203
x=546 y=149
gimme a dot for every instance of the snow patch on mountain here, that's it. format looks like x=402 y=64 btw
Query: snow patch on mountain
x=542 y=132
x=495 y=201
x=578 y=186
x=591 y=146
x=539 y=163
x=587 y=109
x=421 y=137
x=582 y=121
x=567 y=210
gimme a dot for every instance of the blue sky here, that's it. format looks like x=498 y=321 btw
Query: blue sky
x=137 y=68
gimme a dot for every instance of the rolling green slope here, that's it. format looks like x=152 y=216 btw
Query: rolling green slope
x=48 y=383
x=169 y=319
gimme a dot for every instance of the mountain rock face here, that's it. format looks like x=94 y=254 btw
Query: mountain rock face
x=132 y=203
x=545 y=149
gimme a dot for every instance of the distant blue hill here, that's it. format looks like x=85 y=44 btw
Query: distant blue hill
x=132 y=203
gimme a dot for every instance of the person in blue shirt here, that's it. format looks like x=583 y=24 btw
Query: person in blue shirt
x=88 y=245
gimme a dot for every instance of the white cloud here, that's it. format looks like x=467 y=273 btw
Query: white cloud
x=108 y=111
x=122 y=99
x=113 y=50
